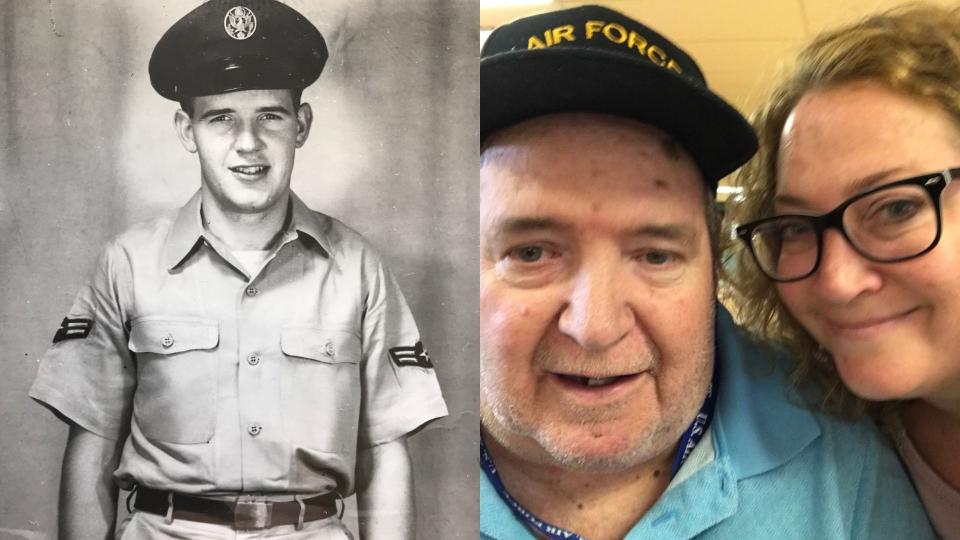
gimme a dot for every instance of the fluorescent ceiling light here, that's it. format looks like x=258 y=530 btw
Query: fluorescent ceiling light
x=513 y=3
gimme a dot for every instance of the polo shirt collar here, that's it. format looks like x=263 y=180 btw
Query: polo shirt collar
x=187 y=231
x=763 y=424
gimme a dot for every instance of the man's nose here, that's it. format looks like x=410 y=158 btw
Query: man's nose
x=248 y=138
x=843 y=273
x=597 y=315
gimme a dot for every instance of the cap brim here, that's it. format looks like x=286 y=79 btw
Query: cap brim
x=519 y=85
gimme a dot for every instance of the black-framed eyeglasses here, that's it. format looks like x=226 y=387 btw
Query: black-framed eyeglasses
x=890 y=223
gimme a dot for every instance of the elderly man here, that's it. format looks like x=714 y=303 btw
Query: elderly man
x=244 y=362
x=617 y=398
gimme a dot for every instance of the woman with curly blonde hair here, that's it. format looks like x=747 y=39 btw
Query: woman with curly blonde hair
x=850 y=229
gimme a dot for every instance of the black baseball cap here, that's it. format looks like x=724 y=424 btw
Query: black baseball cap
x=228 y=45
x=595 y=59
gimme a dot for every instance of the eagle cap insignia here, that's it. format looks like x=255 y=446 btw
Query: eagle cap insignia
x=240 y=22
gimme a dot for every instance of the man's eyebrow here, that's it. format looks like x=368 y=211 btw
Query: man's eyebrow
x=682 y=232
x=268 y=109
x=528 y=224
x=274 y=109
x=215 y=112
x=676 y=231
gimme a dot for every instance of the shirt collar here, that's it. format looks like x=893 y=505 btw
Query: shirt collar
x=310 y=223
x=187 y=232
x=763 y=423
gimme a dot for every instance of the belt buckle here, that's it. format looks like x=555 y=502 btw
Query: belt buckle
x=251 y=514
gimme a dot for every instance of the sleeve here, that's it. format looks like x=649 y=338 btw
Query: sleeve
x=88 y=375
x=400 y=391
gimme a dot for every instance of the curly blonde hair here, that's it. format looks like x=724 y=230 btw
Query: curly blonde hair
x=914 y=50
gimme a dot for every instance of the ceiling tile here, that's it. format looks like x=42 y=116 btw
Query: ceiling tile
x=707 y=20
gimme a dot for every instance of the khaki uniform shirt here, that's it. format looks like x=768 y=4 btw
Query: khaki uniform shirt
x=223 y=382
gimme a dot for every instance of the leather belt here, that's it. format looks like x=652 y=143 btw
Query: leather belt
x=245 y=513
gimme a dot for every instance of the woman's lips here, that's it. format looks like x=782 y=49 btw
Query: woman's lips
x=867 y=327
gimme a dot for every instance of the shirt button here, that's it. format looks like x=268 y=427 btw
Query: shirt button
x=328 y=349
x=254 y=429
x=167 y=341
x=252 y=291
x=253 y=359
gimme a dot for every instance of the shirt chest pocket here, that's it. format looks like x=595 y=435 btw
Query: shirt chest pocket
x=176 y=395
x=323 y=387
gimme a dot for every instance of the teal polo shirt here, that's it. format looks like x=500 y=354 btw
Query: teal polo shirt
x=769 y=468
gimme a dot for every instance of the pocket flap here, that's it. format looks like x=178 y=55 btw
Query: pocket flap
x=169 y=336
x=328 y=346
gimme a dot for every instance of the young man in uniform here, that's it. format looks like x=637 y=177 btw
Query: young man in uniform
x=244 y=362
x=618 y=399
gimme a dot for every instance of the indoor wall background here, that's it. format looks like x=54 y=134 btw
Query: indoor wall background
x=88 y=148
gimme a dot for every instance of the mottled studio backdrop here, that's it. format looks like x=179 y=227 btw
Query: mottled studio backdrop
x=87 y=148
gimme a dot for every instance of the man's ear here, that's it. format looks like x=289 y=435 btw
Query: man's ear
x=304 y=121
x=184 y=127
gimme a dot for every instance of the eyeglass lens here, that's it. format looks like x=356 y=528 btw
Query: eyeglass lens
x=887 y=225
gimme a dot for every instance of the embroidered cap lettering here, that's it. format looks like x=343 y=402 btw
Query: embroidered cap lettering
x=411 y=356
x=613 y=32
x=73 y=329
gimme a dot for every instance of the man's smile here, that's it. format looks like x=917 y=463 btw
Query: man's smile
x=592 y=381
x=589 y=391
x=249 y=172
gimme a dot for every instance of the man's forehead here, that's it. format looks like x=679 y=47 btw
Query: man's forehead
x=517 y=172
x=246 y=99
x=549 y=129
x=514 y=206
x=517 y=197
x=591 y=186
x=596 y=145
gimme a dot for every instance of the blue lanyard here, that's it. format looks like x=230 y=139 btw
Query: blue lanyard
x=524 y=515
x=688 y=441
x=700 y=423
